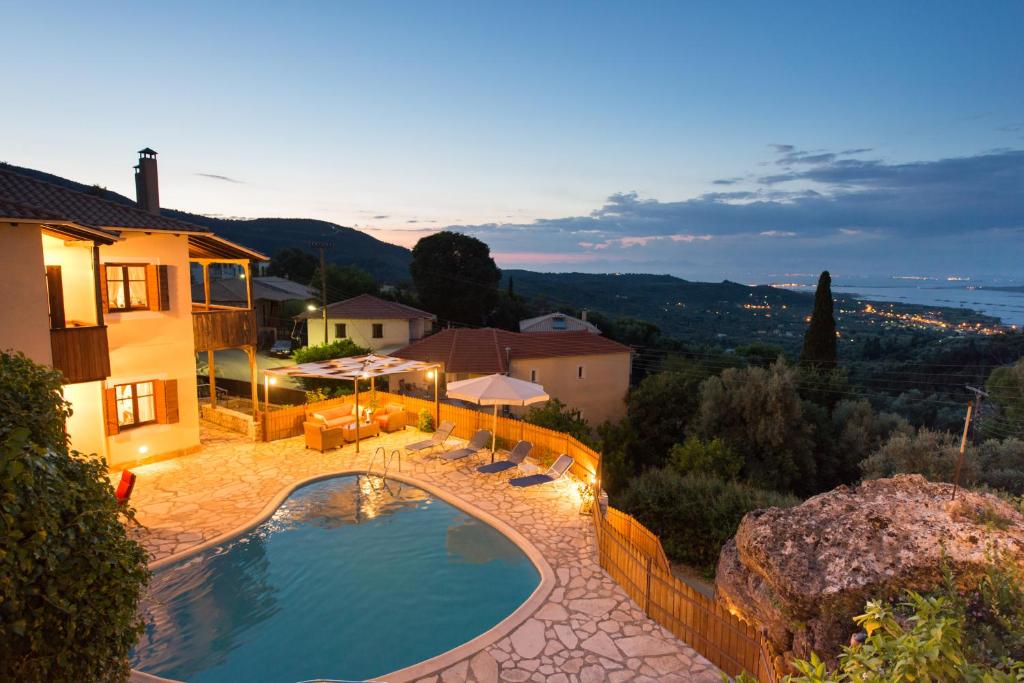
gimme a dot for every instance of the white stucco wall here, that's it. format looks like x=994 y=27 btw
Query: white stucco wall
x=600 y=393
x=24 y=310
x=147 y=345
x=86 y=428
x=396 y=332
x=79 y=285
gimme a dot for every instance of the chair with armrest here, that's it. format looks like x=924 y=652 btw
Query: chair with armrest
x=324 y=428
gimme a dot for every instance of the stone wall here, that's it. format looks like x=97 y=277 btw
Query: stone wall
x=231 y=420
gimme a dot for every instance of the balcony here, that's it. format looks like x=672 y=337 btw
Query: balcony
x=81 y=353
x=222 y=327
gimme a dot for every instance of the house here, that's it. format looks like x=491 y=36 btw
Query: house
x=100 y=290
x=269 y=296
x=558 y=322
x=586 y=371
x=369 y=321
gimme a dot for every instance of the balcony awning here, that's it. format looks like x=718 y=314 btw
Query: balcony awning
x=352 y=368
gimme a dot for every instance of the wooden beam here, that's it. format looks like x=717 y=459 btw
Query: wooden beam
x=248 y=284
x=253 y=380
x=98 y=284
x=206 y=283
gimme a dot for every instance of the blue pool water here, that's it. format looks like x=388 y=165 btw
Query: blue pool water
x=353 y=577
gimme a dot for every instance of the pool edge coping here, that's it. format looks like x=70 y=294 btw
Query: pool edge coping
x=437 y=662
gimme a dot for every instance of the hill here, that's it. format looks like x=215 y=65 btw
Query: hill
x=387 y=262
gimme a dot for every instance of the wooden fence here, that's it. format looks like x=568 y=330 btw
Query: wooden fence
x=630 y=552
x=633 y=556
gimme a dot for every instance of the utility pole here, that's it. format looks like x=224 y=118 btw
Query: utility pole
x=973 y=408
x=323 y=283
x=979 y=395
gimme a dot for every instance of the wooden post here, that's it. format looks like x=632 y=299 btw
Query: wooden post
x=963 y=448
x=96 y=278
x=253 y=380
x=437 y=404
x=213 y=380
x=359 y=418
x=647 y=592
x=206 y=283
x=248 y=285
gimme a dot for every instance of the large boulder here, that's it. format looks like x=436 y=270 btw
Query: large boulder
x=803 y=573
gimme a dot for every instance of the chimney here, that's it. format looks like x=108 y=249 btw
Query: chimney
x=583 y=315
x=147 y=189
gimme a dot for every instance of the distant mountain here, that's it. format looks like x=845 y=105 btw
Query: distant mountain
x=389 y=263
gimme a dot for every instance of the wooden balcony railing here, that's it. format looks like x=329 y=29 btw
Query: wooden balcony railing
x=223 y=328
x=81 y=353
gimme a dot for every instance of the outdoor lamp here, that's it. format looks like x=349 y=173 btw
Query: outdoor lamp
x=311 y=307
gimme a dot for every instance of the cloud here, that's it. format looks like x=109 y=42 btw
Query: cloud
x=832 y=210
x=381 y=217
x=225 y=178
x=726 y=181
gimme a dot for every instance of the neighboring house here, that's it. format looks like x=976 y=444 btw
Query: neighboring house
x=369 y=321
x=100 y=290
x=558 y=322
x=269 y=294
x=586 y=371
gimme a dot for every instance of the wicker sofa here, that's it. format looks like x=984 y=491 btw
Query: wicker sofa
x=323 y=428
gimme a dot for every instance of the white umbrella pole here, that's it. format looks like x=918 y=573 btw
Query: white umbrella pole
x=494 y=432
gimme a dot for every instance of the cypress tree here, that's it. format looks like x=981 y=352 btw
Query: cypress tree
x=820 y=339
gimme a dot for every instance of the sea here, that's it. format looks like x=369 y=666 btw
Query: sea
x=952 y=291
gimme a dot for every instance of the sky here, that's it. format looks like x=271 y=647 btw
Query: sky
x=709 y=140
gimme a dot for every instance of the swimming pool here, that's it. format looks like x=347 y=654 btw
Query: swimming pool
x=352 y=577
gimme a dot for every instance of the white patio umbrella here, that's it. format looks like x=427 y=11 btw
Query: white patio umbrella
x=497 y=390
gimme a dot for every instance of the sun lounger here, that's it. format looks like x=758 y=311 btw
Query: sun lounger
x=480 y=441
x=556 y=471
x=444 y=430
x=517 y=455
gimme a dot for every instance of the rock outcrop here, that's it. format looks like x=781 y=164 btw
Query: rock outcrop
x=805 y=572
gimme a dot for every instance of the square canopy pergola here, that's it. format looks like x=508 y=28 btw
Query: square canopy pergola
x=354 y=369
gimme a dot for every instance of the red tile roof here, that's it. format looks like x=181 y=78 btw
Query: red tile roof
x=483 y=350
x=369 y=307
x=53 y=202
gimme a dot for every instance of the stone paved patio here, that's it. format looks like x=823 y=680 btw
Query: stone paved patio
x=587 y=630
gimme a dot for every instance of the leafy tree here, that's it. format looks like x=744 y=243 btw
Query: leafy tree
x=712 y=457
x=344 y=282
x=455 y=276
x=70 y=578
x=294 y=264
x=760 y=353
x=928 y=453
x=1006 y=387
x=556 y=415
x=694 y=515
x=857 y=432
x=660 y=410
x=820 y=339
x=613 y=441
x=758 y=413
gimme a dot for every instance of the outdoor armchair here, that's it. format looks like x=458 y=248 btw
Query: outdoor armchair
x=556 y=472
x=444 y=430
x=517 y=455
x=481 y=441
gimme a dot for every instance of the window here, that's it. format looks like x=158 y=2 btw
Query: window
x=378 y=330
x=135 y=404
x=533 y=375
x=339 y=331
x=126 y=287
x=558 y=322
x=579 y=372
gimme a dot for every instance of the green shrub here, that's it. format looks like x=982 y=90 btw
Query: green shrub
x=694 y=515
x=950 y=635
x=712 y=457
x=425 y=421
x=556 y=415
x=341 y=348
x=928 y=453
x=70 y=578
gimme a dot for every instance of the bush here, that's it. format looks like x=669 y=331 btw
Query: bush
x=694 y=514
x=341 y=348
x=951 y=635
x=70 y=578
x=928 y=453
x=554 y=414
x=705 y=457
x=425 y=421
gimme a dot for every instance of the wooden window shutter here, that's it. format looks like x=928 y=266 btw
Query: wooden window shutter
x=164 y=284
x=165 y=395
x=110 y=411
x=55 y=292
x=152 y=287
x=103 y=288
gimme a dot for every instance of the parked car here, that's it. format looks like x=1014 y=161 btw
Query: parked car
x=282 y=348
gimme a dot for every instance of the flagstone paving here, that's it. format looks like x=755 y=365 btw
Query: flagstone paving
x=587 y=630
